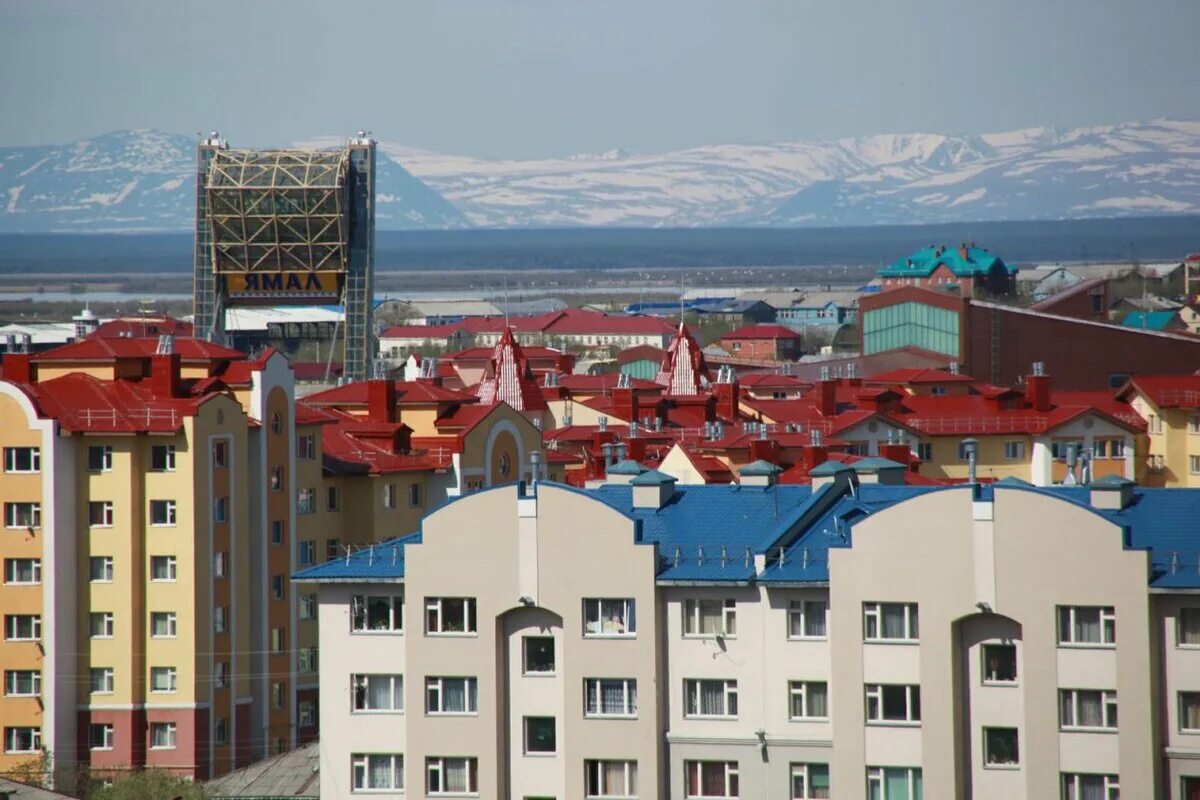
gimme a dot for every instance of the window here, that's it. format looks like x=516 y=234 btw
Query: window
x=1194 y=423
x=962 y=451
x=1154 y=424
x=332 y=501
x=414 y=495
x=162 y=679
x=162 y=568
x=709 y=698
x=540 y=738
x=100 y=736
x=1118 y=448
x=1189 y=712
x=306 y=447
x=389 y=495
x=221 y=510
x=162 y=624
x=807 y=619
x=1014 y=451
x=893 y=703
x=22 y=740
x=810 y=782
x=277 y=640
x=162 y=735
x=999 y=663
x=277 y=532
x=451 y=776
x=276 y=423
x=22 y=570
x=449 y=615
x=22 y=459
x=610 y=697
x=162 y=458
x=1087 y=625
x=709 y=618
x=377 y=613
x=894 y=783
x=276 y=479
x=99 y=458
x=307 y=658
x=1191 y=788
x=22 y=683
x=925 y=451
x=306 y=501
x=1194 y=464
x=332 y=549
x=451 y=696
x=539 y=655
x=277 y=695
x=219 y=619
x=100 y=514
x=609 y=617
x=1087 y=708
x=100 y=624
x=220 y=454
x=220 y=564
x=711 y=778
x=937 y=391
x=610 y=778
x=101 y=680
x=1059 y=448
x=377 y=771
x=884 y=621
x=1078 y=786
x=162 y=512
x=221 y=674
x=22 y=627
x=308 y=553
x=1187 y=627
x=308 y=606
x=306 y=713
x=808 y=700
x=221 y=731
x=377 y=693
x=22 y=515
x=1000 y=748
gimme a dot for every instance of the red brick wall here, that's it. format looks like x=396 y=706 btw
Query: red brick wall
x=775 y=349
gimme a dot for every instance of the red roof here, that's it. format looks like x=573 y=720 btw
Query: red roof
x=919 y=375
x=712 y=469
x=137 y=327
x=84 y=403
x=112 y=349
x=407 y=393
x=766 y=331
x=511 y=380
x=568 y=322
x=641 y=352
x=771 y=380
x=1166 y=391
x=315 y=370
x=426 y=332
x=484 y=353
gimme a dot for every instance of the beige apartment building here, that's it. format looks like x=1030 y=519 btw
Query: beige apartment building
x=853 y=639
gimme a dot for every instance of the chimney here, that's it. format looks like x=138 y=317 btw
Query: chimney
x=625 y=403
x=726 y=392
x=898 y=452
x=816 y=453
x=763 y=449
x=1037 y=388
x=652 y=489
x=381 y=400
x=827 y=398
x=164 y=374
x=18 y=368
x=962 y=251
x=1112 y=493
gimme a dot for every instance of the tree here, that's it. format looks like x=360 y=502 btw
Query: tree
x=149 y=784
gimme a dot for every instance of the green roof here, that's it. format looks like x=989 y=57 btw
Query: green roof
x=652 y=477
x=1012 y=480
x=626 y=467
x=1111 y=482
x=1149 y=320
x=874 y=463
x=759 y=467
x=830 y=468
x=923 y=262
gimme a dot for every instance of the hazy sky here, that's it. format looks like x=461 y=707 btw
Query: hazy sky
x=524 y=78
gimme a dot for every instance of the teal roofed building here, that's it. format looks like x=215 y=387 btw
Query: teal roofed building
x=965 y=270
x=1154 y=320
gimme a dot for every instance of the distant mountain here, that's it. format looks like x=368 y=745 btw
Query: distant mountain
x=141 y=180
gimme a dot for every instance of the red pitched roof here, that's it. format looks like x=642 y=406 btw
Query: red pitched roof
x=137 y=327
x=407 y=393
x=112 y=349
x=919 y=375
x=84 y=403
x=511 y=380
x=766 y=331
x=1166 y=391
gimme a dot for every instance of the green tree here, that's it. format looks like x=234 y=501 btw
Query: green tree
x=149 y=784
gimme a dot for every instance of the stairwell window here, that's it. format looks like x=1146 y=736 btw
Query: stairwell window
x=377 y=614
x=276 y=478
x=377 y=772
x=706 y=618
x=451 y=696
x=610 y=779
x=1087 y=709
x=890 y=622
x=999 y=663
x=308 y=606
x=220 y=454
x=162 y=512
x=894 y=783
x=808 y=619
x=1087 y=626
x=808 y=700
x=22 y=515
x=308 y=553
x=1081 y=786
x=99 y=458
x=450 y=616
x=221 y=510
x=451 y=776
x=307 y=659
x=810 y=782
x=609 y=617
x=306 y=501
x=893 y=704
x=1000 y=748
x=711 y=779
x=610 y=697
x=1187 y=627
x=22 y=459
x=377 y=693
x=100 y=514
x=710 y=699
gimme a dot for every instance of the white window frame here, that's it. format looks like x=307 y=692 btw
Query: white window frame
x=220 y=564
x=168 y=451
x=362 y=683
x=359 y=605
x=801 y=690
x=220 y=453
x=106 y=513
x=306 y=658
x=106 y=460
x=306 y=500
x=693 y=691
x=435 y=686
x=874 y=693
x=13 y=678
x=33 y=456
x=172 y=565
x=32 y=512
x=108 y=624
x=169 y=507
x=360 y=772
x=12 y=625
x=593 y=693
x=172 y=676
x=436 y=613
x=805 y=772
x=1066 y=618
x=389 y=495
x=11 y=575
x=306 y=447
x=987 y=763
x=692 y=616
x=106 y=570
x=596 y=770
x=873 y=614
x=596 y=621
x=107 y=736
x=220 y=619
x=875 y=778
x=102 y=677
x=1074 y=780
x=171 y=731
x=987 y=680
x=526 y=737
x=1195 y=695
x=172 y=624
x=1109 y=710
x=221 y=674
x=1014 y=450
x=437 y=764
x=546 y=673
x=731 y=777
x=799 y=610
x=308 y=607
x=12 y=732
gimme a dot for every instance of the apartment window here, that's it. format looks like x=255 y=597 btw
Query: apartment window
x=603 y=779
x=22 y=627
x=162 y=679
x=937 y=391
x=710 y=698
x=711 y=778
x=221 y=674
x=99 y=458
x=1154 y=424
x=221 y=732
x=709 y=618
x=100 y=736
x=332 y=549
x=1117 y=448
x=1079 y=786
x=893 y=703
x=539 y=655
x=1187 y=627
x=22 y=683
x=377 y=693
x=277 y=695
x=1087 y=708
x=807 y=619
x=610 y=697
x=22 y=570
x=389 y=495
x=894 y=783
x=451 y=696
x=1000 y=747
x=220 y=563
x=100 y=624
x=890 y=621
x=219 y=620
x=925 y=451
x=277 y=640
x=1014 y=451
x=449 y=615
x=808 y=700
x=306 y=501
x=307 y=658
x=162 y=568
x=162 y=735
x=162 y=512
x=1087 y=625
x=810 y=782
x=277 y=590
x=414 y=495
x=276 y=479
x=451 y=776
x=277 y=532
x=1189 y=712
x=1191 y=788
x=377 y=771
x=999 y=663
x=306 y=713
x=22 y=459
x=101 y=680
x=962 y=451
x=220 y=454
x=609 y=617
x=100 y=514
x=308 y=606
x=540 y=736
x=306 y=447
x=308 y=553
x=377 y=613
x=162 y=458
x=162 y=624
x=22 y=515
x=22 y=740
x=1194 y=464
x=332 y=501
x=221 y=510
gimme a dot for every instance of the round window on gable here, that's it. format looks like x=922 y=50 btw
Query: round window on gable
x=276 y=423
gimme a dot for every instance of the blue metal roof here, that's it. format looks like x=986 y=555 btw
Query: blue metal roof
x=1149 y=320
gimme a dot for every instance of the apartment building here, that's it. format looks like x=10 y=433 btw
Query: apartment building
x=855 y=638
x=1170 y=406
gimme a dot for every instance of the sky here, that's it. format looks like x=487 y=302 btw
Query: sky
x=531 y=78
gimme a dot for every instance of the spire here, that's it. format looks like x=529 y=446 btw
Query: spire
x=511 y=381
x=683 y=370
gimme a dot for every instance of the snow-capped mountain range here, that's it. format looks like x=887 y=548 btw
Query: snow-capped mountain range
x=144 y=180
